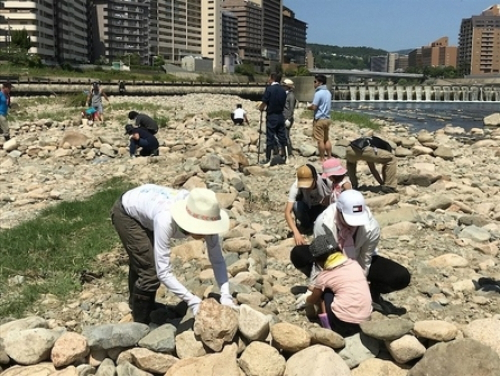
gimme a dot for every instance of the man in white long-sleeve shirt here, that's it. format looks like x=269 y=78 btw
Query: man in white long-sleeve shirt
x=146 y=218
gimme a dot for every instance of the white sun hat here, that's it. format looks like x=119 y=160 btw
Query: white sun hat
x=200 y=213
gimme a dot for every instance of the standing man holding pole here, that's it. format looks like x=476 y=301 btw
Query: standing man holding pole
x=273 y=102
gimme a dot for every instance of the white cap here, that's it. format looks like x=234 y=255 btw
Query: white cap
x=352 y=205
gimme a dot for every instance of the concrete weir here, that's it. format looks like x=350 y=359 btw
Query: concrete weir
x=249 y=90
x=427 y=93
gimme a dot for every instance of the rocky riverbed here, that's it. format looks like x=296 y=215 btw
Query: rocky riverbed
x=443 y=225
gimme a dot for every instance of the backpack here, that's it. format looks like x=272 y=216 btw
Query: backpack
x=373 y=141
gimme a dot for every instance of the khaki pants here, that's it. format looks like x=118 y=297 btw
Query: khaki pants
x=4 y=125
x=321 y=129
x=368 y=154
x=138 y=242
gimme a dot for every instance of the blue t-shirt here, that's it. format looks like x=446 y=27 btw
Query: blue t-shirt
x=323 y=101
x=4 y=101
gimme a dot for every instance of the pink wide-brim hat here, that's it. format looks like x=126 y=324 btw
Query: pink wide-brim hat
x=331 y=167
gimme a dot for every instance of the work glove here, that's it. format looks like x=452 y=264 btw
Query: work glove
x=300 y=302
x=287 y=123
x=227 y=300
x=194 y=304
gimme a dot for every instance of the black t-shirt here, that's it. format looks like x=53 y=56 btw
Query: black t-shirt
x=143 y=133
x=144 y=121
x=275 y=98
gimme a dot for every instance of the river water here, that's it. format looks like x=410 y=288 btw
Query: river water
x=424 y=115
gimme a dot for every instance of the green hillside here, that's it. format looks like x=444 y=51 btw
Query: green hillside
x=335 y=57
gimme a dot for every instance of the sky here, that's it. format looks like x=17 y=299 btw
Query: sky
x=391 y=25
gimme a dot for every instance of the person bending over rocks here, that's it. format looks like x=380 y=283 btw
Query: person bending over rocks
x=341 y=288
x=239 y=115
x=146 y=219
x=309 y=196
x=144 y=121
x=141 y=138
x=357 y=232
x=373 y=150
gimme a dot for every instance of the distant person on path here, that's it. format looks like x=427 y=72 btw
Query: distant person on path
x=337 y=174
x=288 y=112
x=4 y=109
x=373 y=150
x=239 y=115
x=273 y=102
x=146 y=219
x=357 y=233
x=121 y=87
x=144 y=121
x=341 y=288
x=321 y=105
x=141 y=138
x=95 y=99
x=309 y=196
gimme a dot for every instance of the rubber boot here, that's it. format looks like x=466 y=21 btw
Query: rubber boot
x=269 y=151
x=323 y=320
x=143 y=303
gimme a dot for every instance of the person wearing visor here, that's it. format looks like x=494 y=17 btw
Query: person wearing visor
x=357 y=233
x=146 y=219
x=309 y=195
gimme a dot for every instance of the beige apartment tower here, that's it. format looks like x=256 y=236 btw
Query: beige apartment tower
x=250 y=21
x=479 y=43
x=57 y=28
x=211 y=32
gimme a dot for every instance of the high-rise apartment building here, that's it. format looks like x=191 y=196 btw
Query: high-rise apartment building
x=250 y=21
x=379 y=63
x=229 y=35
x=119 y=28
x=479 y=43
x=436 y=54
x=176 y=29
x=211 y=32
x=57 y=28
x=272 y=30
x=294 y=38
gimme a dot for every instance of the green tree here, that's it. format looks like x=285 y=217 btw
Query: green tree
x=20 y=39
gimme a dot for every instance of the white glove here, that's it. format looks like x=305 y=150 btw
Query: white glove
x=300 y=302
x=194 y=304
x=225 y=297
x=287 y=123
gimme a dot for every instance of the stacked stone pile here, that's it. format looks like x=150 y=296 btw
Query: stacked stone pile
x=442 y=225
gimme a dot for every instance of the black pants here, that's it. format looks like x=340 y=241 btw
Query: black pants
x=238 y=121
x=275 y=131
x=384 y=276
x=345 y=329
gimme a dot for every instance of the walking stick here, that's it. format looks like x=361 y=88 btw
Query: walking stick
x=260 y=134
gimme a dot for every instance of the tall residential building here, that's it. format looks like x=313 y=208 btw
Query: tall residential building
x=379 y=63
x=479 y=43
x=402 y=63
x=250 y=21
x=176 y=29
x=294 y=38
x=211 y=32
x=391 y=62
x=272 y=30
x=229 y=35
x=57 y=28
x=439 y=54
x=415 y=58
x=119 y=28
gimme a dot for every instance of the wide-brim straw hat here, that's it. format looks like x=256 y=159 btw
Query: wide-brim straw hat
x=200 y=213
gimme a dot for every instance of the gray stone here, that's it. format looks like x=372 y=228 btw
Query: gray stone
x=109 y=336
x=161 y=339
x=387 y=329
x=454 y=358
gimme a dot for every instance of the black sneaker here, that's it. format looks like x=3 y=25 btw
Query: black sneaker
x=387 y=308
x=155 y=153
x=6 y=137
x=264 y=162
x=387 y=189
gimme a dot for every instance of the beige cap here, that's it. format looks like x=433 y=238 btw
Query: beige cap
x=304 y=177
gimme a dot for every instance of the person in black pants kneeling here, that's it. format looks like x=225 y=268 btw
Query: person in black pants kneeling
x=141 y=138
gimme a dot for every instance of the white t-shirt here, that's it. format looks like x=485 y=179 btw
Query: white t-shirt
x=239 y=113
x=150 y=204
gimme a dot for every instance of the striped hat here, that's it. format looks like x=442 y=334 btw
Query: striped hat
x=332 y=166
